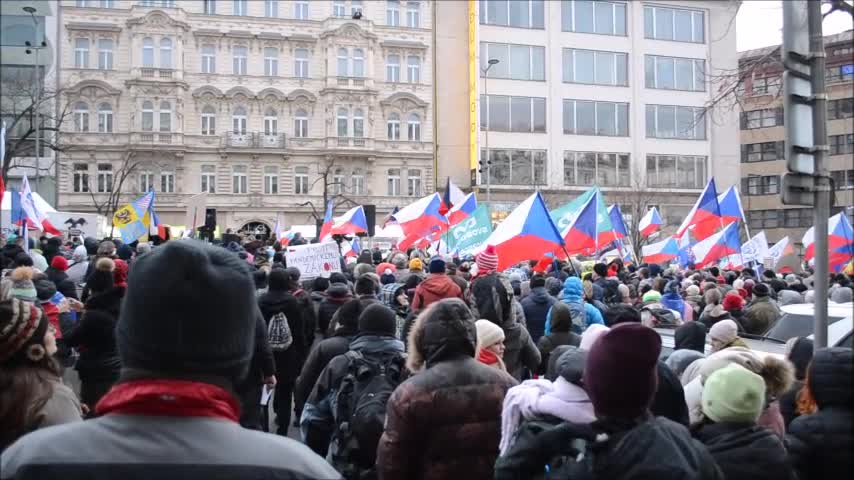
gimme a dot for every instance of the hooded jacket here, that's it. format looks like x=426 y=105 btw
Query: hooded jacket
x=444 y=421
x=760 y=315
x=78 y=266
x=745 y=451
x=65 y=286
x=536 y=307
x=560 y=335
x=435 y=288
x=318 y=358
x=94 y=334
x=336 y=295
x=520 y=351
x=690 y=335
x=800 y=357
x=289 y=362
x=573 y=295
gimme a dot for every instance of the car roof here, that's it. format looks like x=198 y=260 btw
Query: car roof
x=761 y=347
x=835 y=309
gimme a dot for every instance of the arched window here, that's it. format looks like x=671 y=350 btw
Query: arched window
x=147 y=116
x=271 y=122
x=166 y=52
x=358 y=123
x=208 y=120
x=81 y=117
x=301 y=124
x=238 y=121
x=358 y=62
x=105 y=118
x=342 y=122
x=342 y=62
x=147 y=52
x=393 y=127
x=413 y=128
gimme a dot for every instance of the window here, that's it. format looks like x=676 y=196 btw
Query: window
x=238 y=179
x=105 y=54
x=147 y=116
x=147 y=52
x=301 y=10
x=392 y=68
x=81 y=178
x=413 y=14
x=516 y=62
x=301 y=180
x=358 y=62
x=413 y=183
x=662 y=23
x=762 y=152
x=239 y=7
x=271 y=180
x=271 y=122
x=413 y=128
x=210 y=7
x=339 y=9
x=393 y=127
x=839 y=73
x=595 y=67
x=671 y=73
x=81 y=117
x=676 y=171
x=271 y=62
x=840 y=108
x=105 y=178
x=106 y=4
x=238 y=121
x=271 y=8
x=413 y=69
x=208 y=179
x=343 y=60
x=358 y=123
x=501 y=113
x=767 y=117
x=393 y=182
x=604 y=18
x=105 y=118
x=355 y=6
x=208 y=59
x=759 y=219
x=517 y=167
x=841 y=144
x=358 y=182
x=208 y=120
x=761 y=184
x=587 y=117
x=669 y=121
x=165 y=117
x=166 y=52
x=81 y=53
x=842 y=179
x=239 y=60
x=301 y=63
x=796 y=217
x=338 y=181
x=512 y=13
x=167 y=182
x=342 y=119
x=762 y=86
x=301 y=124
x=593 y=168
x=392 y=13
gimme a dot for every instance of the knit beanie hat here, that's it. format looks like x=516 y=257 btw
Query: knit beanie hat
x=488 y=333
x=761 y=290
x=487 y=260
x=692 y=290
x=589 y=337
x=188 y=311
x=651 y=296
x=59 y=263
x=107 y=248
x=377 y=319
x=600 y=269
x=120 y=273
x=733 y=301
x=620 y=376
x=437 y=265
x=570 y=365
x=387 y=277
x=45 y=289
x=724 y=331
x=22 y=284
x=22 y=330
x=102 y=278
x=416 y=264
x=538 y=281
x=733 y=394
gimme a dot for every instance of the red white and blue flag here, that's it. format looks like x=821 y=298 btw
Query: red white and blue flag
x=352 y=248
x=705 y=215
x=353 y=221
x=717 y=246
x=660 y=252
x=34 y=217
x=617 y=223
x=840 y=242
x=650 y=222
x=389 y=220
x=326 y=228
x=729 y=203
x=452 y=197
x=422 y=217
x=462 y=209
x=580 y=236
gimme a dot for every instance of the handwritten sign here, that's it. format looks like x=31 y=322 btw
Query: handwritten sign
x=315 y=260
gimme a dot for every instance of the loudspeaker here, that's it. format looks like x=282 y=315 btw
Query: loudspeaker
x=210 y=218
x=371 y=217
x=319 y=224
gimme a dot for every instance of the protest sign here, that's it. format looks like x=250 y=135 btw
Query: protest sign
x=314 y=260
x=195 y=216
x=469 y=234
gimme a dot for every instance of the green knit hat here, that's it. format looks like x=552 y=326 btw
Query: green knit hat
x=733 y=394
x=651 y=296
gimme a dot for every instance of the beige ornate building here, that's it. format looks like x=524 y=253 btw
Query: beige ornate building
x=264 y=104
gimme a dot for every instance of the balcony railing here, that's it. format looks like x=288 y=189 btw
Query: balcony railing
x=152 y=72
x=254 y=140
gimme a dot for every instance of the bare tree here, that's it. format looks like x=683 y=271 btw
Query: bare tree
x=332 y=188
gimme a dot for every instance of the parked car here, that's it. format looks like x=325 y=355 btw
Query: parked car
x=763 y=346
x=798 y=321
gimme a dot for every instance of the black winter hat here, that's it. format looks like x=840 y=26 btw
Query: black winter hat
x=437 y=265
x=538 y=281
x=377 y=319
x=188 y=310
x=761 y=290
x=571 y=364
x=45 y=289
x=601 y=269
x=377 y=257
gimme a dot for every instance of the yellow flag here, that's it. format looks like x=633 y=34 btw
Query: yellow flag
x=124 y=216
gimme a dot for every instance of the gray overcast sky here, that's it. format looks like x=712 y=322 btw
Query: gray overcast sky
x=759 y=23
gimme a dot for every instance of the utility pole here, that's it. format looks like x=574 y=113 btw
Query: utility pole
x=38 y=45
x=490 y=64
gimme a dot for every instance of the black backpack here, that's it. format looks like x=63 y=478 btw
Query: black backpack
x=360 y=409
x=662 y=317
x=547 y=448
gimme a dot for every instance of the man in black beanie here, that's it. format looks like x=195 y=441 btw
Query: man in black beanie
x=185 y=337
x=377 y=357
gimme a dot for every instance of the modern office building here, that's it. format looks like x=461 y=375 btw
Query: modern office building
x=269 y=106
x=763 y=138
x=563 y=95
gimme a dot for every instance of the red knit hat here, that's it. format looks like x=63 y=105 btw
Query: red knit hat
x=120 y=273
x=487 y=261
x=59 y=263
x=733 y=301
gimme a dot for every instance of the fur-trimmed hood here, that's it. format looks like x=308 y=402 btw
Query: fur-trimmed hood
x=443 y=331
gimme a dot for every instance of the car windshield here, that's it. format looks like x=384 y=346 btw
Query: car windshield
x=794 y=325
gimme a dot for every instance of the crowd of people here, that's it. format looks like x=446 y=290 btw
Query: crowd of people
x=406 y=366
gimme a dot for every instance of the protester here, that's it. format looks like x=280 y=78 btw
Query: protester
x=679 y=360
x=724 y=334
x=536 y=306
x=337 y=294
x=762 y=312
x=490 y=344
x=673 y=301
x=799 y=351
x=734 y=305
x=435 y=287
x=691 y=336
x=693 y=298
x=56 y=273
x=561 y=334
x=77 y=268
x=491 y=293
x=582 y=313
x=262 y=370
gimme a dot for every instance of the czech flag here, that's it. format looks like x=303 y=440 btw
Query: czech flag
x=462 y=209
x=352 y=248
x=453 y=196
x=730 y=206
x=422 y=217
x=581 y=235
x=719 y=245
x=705 y=215
x=26 y=208
x=840 y=242
x=528 y=232
x=617 y=223
x=353 y=221
x=686 y=256
x=660 y=252
x=326 y=228
x=389 y=220
x=650 y=222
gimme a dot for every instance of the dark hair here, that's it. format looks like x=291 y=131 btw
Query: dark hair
x=337 y=277
x=538 y=281
x=601 y=269
x=25 y=388
x=617 y=314
x=278 y=280
x=260 y=278
x=278 y=257
x=365 y=285
x=320 y=284
x=715 y=271
x=587 y=276
x=348 y=314
x=23 y=260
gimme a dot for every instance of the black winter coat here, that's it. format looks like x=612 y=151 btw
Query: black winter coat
x=669 y=400
x=62 y=282
x=520 y=351
x=94 y=336
x=800 y=357
x=336 y=295
x=536 y=306
x=263 y=364
x=288 y=363
x=318 y=358
x=550 y=342
x=745 y=451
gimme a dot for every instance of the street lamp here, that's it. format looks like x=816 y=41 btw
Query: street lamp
x=490 y=63
x=37 y=82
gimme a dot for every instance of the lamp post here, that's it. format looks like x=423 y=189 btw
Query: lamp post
x=490 y=63
x=40 y=44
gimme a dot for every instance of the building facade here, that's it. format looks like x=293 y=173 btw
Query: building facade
x=268 y=106
x=581 y=93
x=763 y=138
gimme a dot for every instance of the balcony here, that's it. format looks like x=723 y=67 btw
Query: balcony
x=155 y=73
x=254 y=140
x=349 y=142
x=157 y=138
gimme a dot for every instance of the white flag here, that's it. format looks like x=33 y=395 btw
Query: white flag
x=755 y=249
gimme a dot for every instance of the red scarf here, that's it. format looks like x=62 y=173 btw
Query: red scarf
x=487 y=357
x=169 y=398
